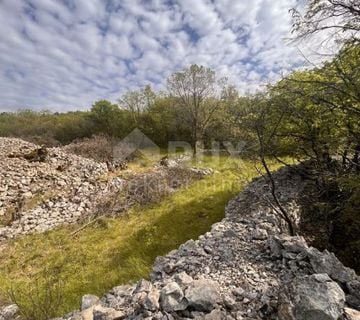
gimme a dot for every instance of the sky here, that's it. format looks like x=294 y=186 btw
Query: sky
x=64 y=55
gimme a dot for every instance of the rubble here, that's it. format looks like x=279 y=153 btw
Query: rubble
x=246 y=267
x=47 y=189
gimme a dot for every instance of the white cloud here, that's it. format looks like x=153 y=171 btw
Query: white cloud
x=64 y=55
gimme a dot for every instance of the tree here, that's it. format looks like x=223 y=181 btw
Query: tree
x=137 y=102
x=106 y=117
x=340 y=17
x=194 y=89
x=256 y=116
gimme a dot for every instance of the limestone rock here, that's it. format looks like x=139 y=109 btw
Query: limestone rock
x=151 y=301
x=326 y=262
x=103 y=313
x=143 y=286
x=314 y=297
x=9 y=312
x=260 y=234
x=351 y=314
x=202 y=295
x=216 y=315
x=172 y=298
x=183 y=279
x=88 y=301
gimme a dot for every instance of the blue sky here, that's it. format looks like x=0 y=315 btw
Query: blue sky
x=66 y=54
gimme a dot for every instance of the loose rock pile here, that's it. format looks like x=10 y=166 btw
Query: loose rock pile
x=244 y=268
x=41 y=189
x=40 y=195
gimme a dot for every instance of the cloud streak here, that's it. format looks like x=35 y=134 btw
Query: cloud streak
x=65 y=54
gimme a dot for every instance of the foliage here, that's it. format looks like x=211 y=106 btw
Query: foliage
x=194 y=89
x=120 y=250
x=310 y=114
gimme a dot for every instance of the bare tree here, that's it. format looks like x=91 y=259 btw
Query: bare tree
x=194 y=88
x=255 y=114
x=340 y=17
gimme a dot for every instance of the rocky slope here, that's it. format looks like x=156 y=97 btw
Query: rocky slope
x=246 y=267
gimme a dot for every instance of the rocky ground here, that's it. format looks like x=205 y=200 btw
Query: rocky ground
x=246 y=267
x=36 y=196
x=41 y=189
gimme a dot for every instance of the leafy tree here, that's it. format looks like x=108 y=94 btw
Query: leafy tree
x=138 y=101
x=106 y=117
x=194 y=89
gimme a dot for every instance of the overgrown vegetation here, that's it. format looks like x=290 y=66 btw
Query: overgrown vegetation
x=312 y=114
x=115 y=251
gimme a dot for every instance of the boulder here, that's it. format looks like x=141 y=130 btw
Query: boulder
x=202 y=295
x=326 y=262
x=314 y=297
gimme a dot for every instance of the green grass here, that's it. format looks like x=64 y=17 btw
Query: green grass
x=115 y=251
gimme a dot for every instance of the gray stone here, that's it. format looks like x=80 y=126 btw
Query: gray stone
x=202 y=295
x=103 y=313
x=289 y=255
x=143 y=286
x=151 y=301
x=314 y=297
x=295 y=244
x=183 y=279
x=229 y=302
x=275 y=246
x=238 y=292
x=88 y=301
x=326 y=262
x=172 y=298
x=9 y=312
x=260 y=234
x=216 y=315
